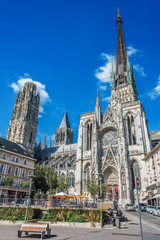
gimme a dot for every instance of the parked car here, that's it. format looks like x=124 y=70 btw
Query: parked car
x=143 y=207
x=129 y=207
x=156 y=211
x=150 y=208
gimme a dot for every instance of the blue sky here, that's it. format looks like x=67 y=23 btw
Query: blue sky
x=66 y=48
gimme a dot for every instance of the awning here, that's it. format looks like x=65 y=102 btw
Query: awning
x=152 y=187
x=146 y=198
x=157 y=195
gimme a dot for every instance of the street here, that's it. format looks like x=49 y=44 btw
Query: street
x=129 y=230
x=147 y=219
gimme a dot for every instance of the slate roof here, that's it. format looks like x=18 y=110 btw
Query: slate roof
x=57 y=149
x=65 y=122
x=12 y=147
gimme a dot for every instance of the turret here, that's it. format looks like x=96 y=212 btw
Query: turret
x=64 y=134
x=98 y=110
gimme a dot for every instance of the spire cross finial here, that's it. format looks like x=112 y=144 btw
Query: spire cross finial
x=119 y=19
x=119 y=13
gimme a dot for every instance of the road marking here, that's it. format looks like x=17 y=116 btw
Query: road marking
x=149 y=224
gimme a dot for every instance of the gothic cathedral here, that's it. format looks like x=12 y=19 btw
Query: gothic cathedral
x=113 y=145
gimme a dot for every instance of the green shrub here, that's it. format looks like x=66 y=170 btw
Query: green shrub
x=76 y=218
x=15 y=214
x=71 y=215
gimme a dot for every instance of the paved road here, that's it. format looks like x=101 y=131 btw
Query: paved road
x=148 y=218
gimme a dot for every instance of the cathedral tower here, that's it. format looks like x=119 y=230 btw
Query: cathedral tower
x=64 y=134
x=24 y=121
x=123 y=85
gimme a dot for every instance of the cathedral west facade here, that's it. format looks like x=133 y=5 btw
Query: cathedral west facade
x=110 y=145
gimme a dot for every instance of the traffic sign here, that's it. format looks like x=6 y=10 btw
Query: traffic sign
x=137 y=181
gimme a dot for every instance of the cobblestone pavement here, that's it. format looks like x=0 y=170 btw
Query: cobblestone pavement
x=129 y=230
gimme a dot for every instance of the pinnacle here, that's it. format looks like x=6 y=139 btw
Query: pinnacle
x=119 y=19
x=65 y=121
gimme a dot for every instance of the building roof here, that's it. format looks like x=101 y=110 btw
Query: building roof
x=152 y=151
x=12 y=147
x=65 y=122
x=57 y=150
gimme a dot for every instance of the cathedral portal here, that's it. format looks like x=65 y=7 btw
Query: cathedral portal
x=110 y=176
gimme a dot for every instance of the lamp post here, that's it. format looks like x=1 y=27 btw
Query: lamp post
x=28 y=200
x=100 y=182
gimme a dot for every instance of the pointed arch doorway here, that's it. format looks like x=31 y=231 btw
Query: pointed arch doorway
x=110 y=176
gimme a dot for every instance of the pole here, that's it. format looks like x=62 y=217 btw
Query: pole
x=28 y=200
x=139 y=212
x=101 y=202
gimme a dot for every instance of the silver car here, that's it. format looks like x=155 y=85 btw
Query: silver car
x=156 y=211
x=130 y=207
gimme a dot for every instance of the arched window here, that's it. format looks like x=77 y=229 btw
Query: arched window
x=87 y=173
x=63 y=136
x=135 y=173
x=63 y=174
x=131 y=130
x=89 y=136
x=72 y=179
x=30 y=139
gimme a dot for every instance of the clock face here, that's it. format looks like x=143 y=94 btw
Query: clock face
x=110 y=138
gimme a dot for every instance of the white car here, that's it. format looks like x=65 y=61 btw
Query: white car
x=156 y=211
x=149 y=209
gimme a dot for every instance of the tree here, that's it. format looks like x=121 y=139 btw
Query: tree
x=27 y=184
x=63 y=183
x=94 y=188
x=8 y=181
x=39 y=181
x=51 y=179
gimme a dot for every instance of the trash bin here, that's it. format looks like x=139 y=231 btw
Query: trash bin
x=118 y=222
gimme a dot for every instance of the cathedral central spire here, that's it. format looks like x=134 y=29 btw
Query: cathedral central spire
x=121 y=53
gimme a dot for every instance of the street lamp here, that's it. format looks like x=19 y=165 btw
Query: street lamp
x=100 y=182
x=29 y=194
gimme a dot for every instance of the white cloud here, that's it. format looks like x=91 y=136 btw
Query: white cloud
x=53 y=137
x=106 y=99
x=39 y=115
x=155 y=91
x=131 y=51
x=41 y=88
x=103 y=72
x=103 y=87
x=140 y=70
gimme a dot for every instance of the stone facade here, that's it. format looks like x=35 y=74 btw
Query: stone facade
x=152 y=165
x=14 y=162
x=24 y=121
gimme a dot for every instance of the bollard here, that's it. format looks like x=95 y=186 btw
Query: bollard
x=118 y=222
